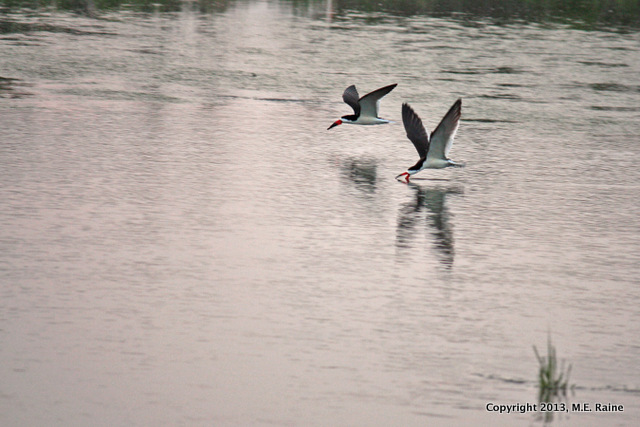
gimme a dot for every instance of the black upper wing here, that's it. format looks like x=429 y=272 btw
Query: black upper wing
x=351 y=97
x=415 y=130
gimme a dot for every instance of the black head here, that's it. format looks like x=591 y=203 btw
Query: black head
x=344 y=119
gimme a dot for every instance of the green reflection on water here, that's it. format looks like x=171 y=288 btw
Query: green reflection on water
x=586 y=14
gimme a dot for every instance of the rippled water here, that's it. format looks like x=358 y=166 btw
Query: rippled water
x=184 y=243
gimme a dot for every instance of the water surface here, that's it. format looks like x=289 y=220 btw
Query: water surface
x=183 y=241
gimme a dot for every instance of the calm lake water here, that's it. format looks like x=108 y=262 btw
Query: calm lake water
x=182 y=242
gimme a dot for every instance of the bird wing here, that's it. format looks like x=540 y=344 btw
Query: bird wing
x=442 y=137
x=415 y=130
x=370 y=103
x=350 y=96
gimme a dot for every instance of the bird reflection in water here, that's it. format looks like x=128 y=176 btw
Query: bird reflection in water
x=431 y=201
x=362 y=172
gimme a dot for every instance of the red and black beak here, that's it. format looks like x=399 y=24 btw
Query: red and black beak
x=405 y=176
x=336 y=123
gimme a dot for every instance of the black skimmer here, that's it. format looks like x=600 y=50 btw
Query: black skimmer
x=433 y=150
x=365 y=109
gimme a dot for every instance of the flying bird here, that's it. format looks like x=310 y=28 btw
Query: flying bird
x=433 y=150
x=365 y=109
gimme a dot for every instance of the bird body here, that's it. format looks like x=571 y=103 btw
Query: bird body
x=365 y=109
x=433 y=149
